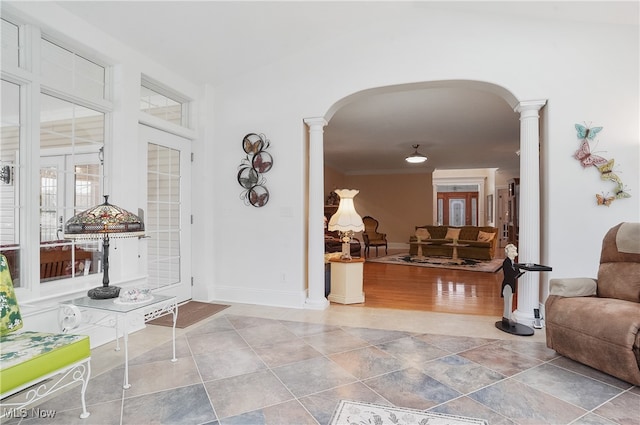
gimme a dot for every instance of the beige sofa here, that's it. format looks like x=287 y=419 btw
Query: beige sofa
x=596 y=321
x=439 y=236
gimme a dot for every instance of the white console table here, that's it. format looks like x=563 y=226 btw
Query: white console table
x=112 y=313
x=346 y=281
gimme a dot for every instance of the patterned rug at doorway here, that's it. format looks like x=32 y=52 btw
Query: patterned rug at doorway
x=353 y=412
x=490 y=266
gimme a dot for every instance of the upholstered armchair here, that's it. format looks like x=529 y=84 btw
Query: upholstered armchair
x=596 y=321
x=372 y=237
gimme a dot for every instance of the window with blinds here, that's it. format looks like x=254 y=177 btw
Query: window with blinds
x=71 y=143
x=68 y=101
x=10 y=44
x=154 y=101
x=9 y=176
x=71 y=73
x=72 y=137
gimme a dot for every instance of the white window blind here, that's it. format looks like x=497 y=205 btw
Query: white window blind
x=163 y=220
x=10 y=44
x=68 y=72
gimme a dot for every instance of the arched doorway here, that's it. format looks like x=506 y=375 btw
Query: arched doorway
x=528 y=137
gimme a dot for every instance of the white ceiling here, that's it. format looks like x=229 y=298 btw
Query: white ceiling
x=453 y=126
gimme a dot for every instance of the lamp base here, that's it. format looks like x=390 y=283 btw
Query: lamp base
x=104 y=292
x=346 y=251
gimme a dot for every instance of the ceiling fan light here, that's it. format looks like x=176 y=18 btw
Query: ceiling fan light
x=416 y=157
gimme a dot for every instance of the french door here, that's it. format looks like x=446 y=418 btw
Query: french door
x=168 y=215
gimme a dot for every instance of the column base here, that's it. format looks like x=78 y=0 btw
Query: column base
x=343 y=299
x=311 y=304
x=514 y=328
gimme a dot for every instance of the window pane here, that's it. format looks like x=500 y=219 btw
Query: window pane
x=161 y=106
x=71 y=73
x=49 y=204
x=70 y=126
x=72 y=138
x=10 y=44
x=87 y=187
x=9 y=185
x=163 y=218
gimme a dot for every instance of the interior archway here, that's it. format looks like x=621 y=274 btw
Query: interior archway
x=503 y=130
x=372 y=131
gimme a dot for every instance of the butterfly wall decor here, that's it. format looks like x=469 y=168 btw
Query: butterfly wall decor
x=585 y=132
x=620 y=192
x=586 y=158
x=604 y=166
x=256 y=162
x=605 y=200
x=606 y=171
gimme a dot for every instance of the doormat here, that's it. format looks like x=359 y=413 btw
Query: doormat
x=354 y=412
x=490 y=266
x=189 y=313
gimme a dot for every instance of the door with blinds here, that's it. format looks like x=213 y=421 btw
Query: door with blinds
x=168 y=214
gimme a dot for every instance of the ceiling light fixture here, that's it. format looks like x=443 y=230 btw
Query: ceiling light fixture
x=416 y=157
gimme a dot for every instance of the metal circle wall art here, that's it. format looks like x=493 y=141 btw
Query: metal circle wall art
x=252 y=167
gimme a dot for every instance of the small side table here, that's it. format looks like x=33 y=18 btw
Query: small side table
x=121 y=313
x=420 y=245
x=346 y=281
x=454 y=254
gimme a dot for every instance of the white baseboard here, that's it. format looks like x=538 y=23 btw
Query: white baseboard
x=233 y=294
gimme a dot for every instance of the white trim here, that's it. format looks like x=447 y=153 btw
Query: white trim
x=163 y=125
x=479 y=181
x=231 y=293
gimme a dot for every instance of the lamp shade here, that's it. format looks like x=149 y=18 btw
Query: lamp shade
x=102 y=220
x=346 y=219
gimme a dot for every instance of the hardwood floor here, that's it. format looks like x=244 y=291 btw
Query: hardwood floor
x=432 y=289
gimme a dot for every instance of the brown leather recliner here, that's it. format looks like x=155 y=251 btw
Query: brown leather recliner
x=597 y=321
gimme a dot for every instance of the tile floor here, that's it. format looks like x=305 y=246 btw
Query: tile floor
x=267 y=365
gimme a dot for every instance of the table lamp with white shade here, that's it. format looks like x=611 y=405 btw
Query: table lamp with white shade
x=346 y=220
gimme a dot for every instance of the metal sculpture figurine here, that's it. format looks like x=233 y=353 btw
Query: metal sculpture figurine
x=511 y=274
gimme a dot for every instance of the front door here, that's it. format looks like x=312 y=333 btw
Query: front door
x=168 y=216
x=458 y=208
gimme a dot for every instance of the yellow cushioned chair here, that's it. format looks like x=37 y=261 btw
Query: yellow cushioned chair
x=37 y=363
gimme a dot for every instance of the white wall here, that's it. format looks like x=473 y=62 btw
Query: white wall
x=587 y=72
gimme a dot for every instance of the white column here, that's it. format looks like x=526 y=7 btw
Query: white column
x=529 y=209
x=315 y=281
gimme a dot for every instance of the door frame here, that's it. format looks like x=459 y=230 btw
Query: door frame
x=479 y=182
x=467 y=197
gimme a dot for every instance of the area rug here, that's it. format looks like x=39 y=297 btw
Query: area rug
x=490 y=266
x=354 y=412
x=189 y=313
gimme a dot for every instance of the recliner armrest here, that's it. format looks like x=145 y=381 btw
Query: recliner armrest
x=573 y=287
